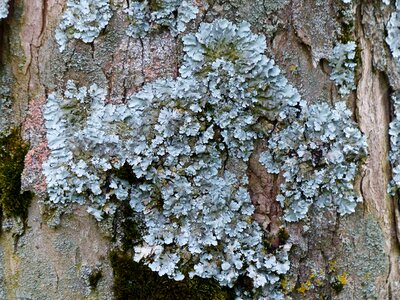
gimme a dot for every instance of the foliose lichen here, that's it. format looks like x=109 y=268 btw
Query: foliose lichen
x=186 y=143
x=66 y=178
x=231 y=59
x=343 y=66
x=347 y=18
x=394 y=155
x=177 y=136
x=149 y=15
x=4 y=6
x=319 y=156
x=393 y=30
x=5 y=105
x=83 y=20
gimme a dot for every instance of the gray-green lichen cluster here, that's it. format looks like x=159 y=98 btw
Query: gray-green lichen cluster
x=5 y=104
x=83 y=20
x=4 y=6
x=394 y=155
x=343 y=66
x=393 y=40
x=176 y=137
x=185 y=144
x=319 y=155
x=148 y=15
x=393 y=31
x=63 y=116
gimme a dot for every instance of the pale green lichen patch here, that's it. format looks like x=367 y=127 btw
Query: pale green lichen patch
x=4 y=6
x=394 y=155
x=175 y=142
x=147 y=16
x=319 y=157
x=185 y=144
x=5 y=105
x=343 y=63
x=393 y=31
x=83 y=20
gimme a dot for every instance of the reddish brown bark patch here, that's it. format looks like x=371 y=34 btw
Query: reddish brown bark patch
x=35 y=132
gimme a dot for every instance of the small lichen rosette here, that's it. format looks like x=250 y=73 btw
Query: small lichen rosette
x=4 y=6
x=393 y=30
x=233 y=52
x=83 y=20
x=394 y=156
x=319 y=158
x=148 y=15
x=343 y=66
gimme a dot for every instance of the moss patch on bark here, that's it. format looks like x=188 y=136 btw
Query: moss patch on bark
x=136 y=281
x=13 y=149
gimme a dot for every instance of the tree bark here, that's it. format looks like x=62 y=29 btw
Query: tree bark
x=51 y=255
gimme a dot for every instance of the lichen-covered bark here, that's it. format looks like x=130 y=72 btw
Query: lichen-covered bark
x=333 y=257
x=364 y=245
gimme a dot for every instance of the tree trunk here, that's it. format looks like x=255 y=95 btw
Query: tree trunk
x=56 y=252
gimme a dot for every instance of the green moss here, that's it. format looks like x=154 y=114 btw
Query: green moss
x=130 y=227
x=223 y=50
x=136 y=281
x=337 y=286
x=346 y=21
x=12 y=155
x=94 y=278
x=283 y=236
x=347 y=34
x=154 y=5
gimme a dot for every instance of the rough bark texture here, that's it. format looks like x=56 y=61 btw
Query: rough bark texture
x=51 y=259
